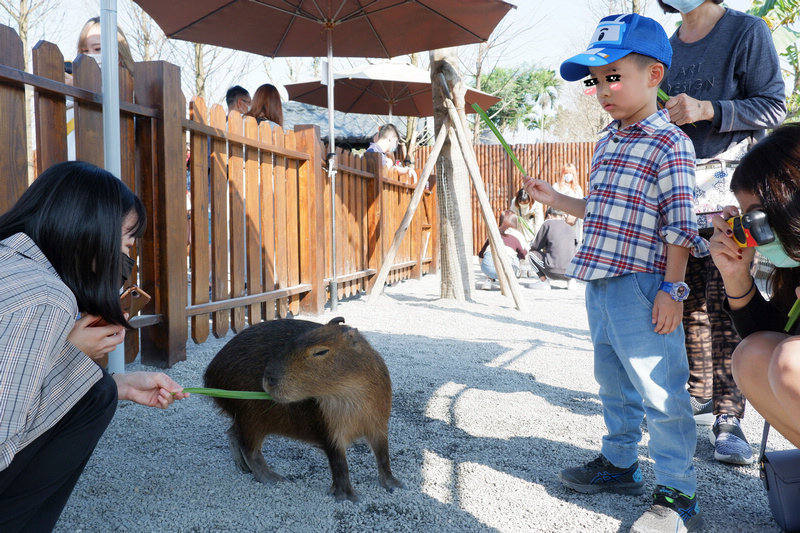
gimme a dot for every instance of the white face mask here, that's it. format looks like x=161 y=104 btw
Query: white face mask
x=98 y=58
x=684 y=6
x=568 y=177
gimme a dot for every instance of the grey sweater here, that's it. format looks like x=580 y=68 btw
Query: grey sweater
x=735 y=67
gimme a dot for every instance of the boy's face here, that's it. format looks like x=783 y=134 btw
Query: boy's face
x=626 y=90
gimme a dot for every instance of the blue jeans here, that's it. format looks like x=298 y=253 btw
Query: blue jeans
x=641 y=372
x=487 y=264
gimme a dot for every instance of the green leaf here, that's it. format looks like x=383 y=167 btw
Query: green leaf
x=783 y=38
x=235 y=394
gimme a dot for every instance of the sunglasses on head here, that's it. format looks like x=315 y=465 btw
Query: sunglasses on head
x=751 y=229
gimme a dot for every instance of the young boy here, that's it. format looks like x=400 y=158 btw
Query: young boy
x=639 y=228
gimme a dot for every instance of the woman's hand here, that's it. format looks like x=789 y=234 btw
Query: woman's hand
x=153 y=389
x=95 y=341
x=731 y=260
x=684 y=109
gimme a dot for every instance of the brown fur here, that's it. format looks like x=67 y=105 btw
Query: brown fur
x=329 y=386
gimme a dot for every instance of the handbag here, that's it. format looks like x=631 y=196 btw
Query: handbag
x=780 y=474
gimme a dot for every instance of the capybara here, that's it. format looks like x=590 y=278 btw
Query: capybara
x=329 y=386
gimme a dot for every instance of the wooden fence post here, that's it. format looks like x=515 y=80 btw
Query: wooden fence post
x=51 y=110
x=374 y=215
x=158 y=85
x=13 y=134
x=312 y=258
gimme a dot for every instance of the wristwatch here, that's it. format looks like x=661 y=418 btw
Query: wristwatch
x=679 y=291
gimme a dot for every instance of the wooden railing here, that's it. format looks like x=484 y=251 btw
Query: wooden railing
x=258 y=242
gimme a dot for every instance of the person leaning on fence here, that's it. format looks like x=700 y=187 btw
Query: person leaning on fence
x=89 y=43
x=639 y=228
x=267 y=105
x=512 y=246
x=724 y=107
x=567 y=183
x=386 y=142
x=237 y=98
x=552 y=249
x=766 y=363
x=63 y=248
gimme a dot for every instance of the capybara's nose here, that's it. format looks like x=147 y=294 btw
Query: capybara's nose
x=270 y=380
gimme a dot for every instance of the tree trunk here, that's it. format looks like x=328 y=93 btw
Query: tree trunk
x=453 y=190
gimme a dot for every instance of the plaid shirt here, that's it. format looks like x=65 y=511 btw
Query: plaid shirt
x=640 y=199
x=42 y=376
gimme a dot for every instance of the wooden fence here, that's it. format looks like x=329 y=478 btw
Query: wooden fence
x=260 y=239
x=502 y=179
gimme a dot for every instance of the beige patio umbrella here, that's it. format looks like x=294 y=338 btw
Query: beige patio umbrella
x=393 y=87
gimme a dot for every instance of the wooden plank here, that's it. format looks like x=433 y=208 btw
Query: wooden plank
x=292 y=223
x=158 y=84
x=200 y=253
x=347 y=227
x=13 y=134
x=51 y=110
x=252 y=221
x=267 y=218
x=341 y=236
x=313 y=250
x=374 y=215
x=219 y=222
x=236 y=228
x=281 y=261
x=88 y=117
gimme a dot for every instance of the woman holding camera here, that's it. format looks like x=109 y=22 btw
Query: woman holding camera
x=766 y=364
x=64 y=247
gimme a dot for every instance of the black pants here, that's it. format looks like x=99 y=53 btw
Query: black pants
x=37 y=484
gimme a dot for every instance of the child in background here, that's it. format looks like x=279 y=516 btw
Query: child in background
x=639 y=228
x=514 y=248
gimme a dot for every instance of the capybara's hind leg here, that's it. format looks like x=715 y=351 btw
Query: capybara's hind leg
x=380 y=447
x=341 y=487
x=246 y=453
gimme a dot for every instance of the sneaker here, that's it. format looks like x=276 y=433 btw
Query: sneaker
x=730 y=444
x=487 y=285
x=672 y=511
x=602 y=476
x=541 y=286
x=703 y=412
x=571 y=284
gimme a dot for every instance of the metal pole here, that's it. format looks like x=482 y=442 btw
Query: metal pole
x=332 y=171
x=111 y=156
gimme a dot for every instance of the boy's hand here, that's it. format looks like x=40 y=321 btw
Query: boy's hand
x=539 y=190
x=667 y=313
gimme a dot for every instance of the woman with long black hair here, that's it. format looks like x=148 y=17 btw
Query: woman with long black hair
x=64 y=248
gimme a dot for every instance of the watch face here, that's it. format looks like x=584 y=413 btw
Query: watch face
x=681 y=292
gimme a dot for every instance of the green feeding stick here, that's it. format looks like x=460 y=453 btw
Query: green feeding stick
x=236 y=394
x=494 y=129
x=793 y=314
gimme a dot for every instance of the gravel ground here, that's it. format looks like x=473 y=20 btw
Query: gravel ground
x=489 y=404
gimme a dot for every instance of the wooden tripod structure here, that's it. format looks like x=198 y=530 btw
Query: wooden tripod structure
x=505 y=275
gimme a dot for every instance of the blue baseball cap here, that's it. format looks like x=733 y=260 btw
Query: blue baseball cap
x=615 y=37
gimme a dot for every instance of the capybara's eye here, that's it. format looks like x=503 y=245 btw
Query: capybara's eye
x=320 y=353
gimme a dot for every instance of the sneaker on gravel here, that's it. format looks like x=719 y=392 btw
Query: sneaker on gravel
x=703 y=412
x=487 y=285
x=672 y=511
x=542 y=286
x=600 y=475
x=730 y=444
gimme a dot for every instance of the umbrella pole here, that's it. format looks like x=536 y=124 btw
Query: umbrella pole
x=332 y=171
x=111 y=152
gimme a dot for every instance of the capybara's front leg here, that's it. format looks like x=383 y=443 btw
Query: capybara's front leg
x=380 y=447
x=246 y=453
x=341 y=487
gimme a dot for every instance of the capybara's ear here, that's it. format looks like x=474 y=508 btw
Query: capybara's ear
x=352 y=334
x=337 y=320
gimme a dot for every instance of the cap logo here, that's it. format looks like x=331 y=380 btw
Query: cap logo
x=609 y=33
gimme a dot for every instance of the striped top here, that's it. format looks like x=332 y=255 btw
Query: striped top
x=42 y=376
x=640 y=198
